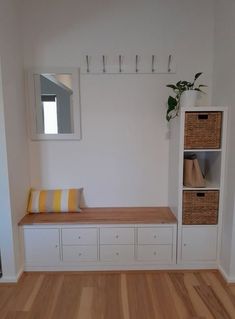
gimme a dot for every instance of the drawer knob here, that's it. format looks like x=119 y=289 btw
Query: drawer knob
x=79 y=237
x=155 y=236
x=155 y=253
x=185 y=245
x=117 y=254
x=79 y=254
x=117 y=236
x=56 y=246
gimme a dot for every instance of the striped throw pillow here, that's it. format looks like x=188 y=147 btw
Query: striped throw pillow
x=57 y=200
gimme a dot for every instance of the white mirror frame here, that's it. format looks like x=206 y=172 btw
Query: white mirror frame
x=31 y=103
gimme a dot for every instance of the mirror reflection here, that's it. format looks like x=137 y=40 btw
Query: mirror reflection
x=54 y=103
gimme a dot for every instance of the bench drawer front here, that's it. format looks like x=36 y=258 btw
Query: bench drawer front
x=155 y=235
x=79 y=236
x=161 y=253
x=117 y=253
x=116 y=236
x=79 y=253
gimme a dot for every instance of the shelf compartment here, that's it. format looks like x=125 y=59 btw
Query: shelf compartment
x=200 y=207
x=202 y=130
x=210 y=163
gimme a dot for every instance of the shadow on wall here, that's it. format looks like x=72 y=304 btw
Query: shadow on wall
x=94 y=26
x=62 y=17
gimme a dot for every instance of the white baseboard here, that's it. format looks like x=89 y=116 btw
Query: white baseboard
x=12 y=279
x=121 y=267
x=8 y=279
x=227 y=278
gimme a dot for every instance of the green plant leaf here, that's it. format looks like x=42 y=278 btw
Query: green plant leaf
x=186 y=83
x=199 y=90
x=168 y=117
x=197 y=76
x=178 y=88
x=178 y=84
x=172 y=102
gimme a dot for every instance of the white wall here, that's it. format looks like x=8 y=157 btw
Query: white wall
x=6 y=232
x=14 y=145
x=224 y=94
x=122 y=159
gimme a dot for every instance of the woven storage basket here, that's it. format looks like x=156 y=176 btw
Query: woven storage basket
x=202 y=130
x=200 y=208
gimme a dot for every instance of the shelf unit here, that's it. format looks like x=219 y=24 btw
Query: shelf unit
x=198 y=245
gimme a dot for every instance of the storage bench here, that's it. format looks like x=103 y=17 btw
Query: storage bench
x=100 y=239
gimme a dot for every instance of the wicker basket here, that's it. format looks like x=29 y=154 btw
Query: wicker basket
x=200 y=207
x=202 y=130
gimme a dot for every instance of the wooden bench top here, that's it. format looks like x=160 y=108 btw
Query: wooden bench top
x=130 y=215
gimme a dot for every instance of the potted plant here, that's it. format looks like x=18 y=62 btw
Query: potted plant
x=185 y=95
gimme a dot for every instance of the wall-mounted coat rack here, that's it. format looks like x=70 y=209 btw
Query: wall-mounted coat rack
x=135 y=64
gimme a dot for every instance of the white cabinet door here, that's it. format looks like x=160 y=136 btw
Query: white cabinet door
x=199 y=243
x=41 y=247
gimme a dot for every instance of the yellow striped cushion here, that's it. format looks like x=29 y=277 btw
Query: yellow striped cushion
x=57 y=200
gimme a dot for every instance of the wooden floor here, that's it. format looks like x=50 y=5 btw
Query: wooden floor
x=125 y=295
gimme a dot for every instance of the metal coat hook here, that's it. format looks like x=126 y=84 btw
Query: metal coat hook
x=87 y=64
x=104 y=69
x=153 y=63
x=169 y=63
x=120 y=63
x=136 y=63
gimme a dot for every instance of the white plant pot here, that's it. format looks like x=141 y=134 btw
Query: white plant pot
x=188 y=98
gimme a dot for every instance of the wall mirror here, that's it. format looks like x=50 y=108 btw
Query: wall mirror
x=54 y=103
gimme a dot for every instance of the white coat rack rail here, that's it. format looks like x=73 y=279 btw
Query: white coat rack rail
x=120 y=64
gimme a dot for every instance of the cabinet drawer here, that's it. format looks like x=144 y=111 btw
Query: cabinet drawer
x=79 y=253
x=116 y=235
x=154 y=235
x=79 y=236
x=161 y=253
x=117 y=253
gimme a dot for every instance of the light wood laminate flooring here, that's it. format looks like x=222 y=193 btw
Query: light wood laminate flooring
x=118 y=295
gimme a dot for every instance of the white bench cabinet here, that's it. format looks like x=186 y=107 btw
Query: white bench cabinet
x=99 y=247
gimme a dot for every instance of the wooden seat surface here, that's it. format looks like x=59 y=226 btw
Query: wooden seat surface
x=106 y=215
